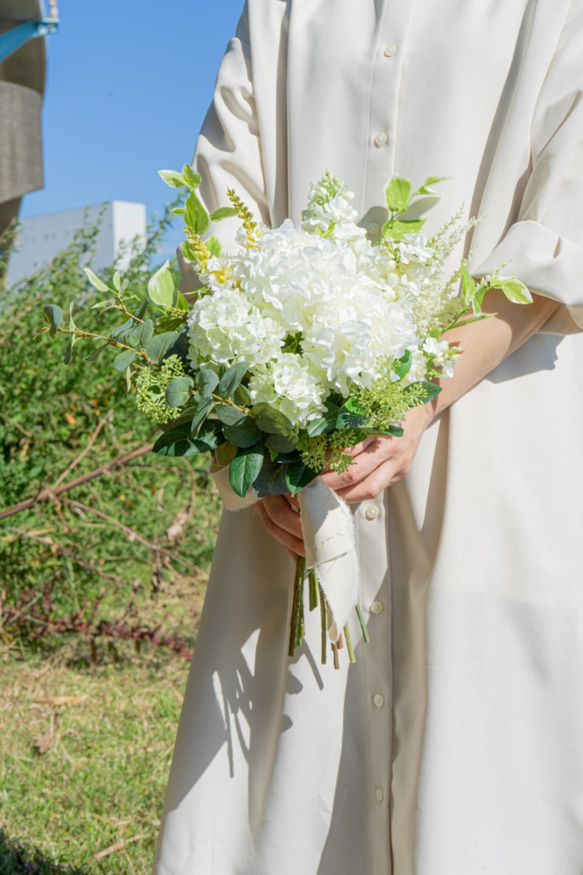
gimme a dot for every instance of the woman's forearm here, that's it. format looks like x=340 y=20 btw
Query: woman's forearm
x=487 y=343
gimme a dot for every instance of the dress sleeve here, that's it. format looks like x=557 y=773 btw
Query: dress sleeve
x=545 y=244
x=228 y=150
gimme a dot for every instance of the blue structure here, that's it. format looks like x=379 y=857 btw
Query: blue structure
x=19 y=35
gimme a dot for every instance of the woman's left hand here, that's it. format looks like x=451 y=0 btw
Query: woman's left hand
x=380 y=461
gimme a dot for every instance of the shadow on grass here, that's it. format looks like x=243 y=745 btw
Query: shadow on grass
x=16 y=859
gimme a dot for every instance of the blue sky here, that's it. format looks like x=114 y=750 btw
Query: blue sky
x=128 y=86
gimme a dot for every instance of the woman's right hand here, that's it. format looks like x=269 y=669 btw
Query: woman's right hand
x=280 y=516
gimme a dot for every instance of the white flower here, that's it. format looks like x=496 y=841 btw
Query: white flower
x=289 y=386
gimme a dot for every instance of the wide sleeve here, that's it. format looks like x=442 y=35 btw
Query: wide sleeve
x=228 y=150
x=544 y=247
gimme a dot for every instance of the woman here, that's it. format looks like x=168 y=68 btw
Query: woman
x=452 y=747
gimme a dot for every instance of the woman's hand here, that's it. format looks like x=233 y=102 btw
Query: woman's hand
x=279 y=514
x=380 y=461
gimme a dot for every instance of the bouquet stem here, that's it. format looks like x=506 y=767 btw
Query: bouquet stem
x=317 y=599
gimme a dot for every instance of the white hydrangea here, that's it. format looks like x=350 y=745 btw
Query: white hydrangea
x=318 y=308
x=290 y=386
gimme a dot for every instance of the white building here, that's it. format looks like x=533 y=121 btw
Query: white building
x=40 y=238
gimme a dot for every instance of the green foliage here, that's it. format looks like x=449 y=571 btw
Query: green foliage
x=101 y=536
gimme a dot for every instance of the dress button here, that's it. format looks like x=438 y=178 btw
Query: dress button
x=373 y=229
x=377 y=608
x=372 y=512
x=389 y=51
x=381 y=140
x=379 y=795
x=378 y=700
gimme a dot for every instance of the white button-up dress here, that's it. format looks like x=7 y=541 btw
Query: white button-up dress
x=454 y=746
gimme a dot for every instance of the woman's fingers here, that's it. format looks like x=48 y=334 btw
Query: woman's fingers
x=365 y=462
x=283 y=522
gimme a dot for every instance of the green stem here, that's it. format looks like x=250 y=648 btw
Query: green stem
x=349 y=646
x=314 y=589
x=295 y=619
x=365 y=636
x=324 y=627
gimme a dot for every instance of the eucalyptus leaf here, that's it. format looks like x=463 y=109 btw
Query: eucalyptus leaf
x=68 y=357
x=468 y=285
x=232 y=378
x=350 y=420
x=134 y=337
x=117 y=281
x=207 y=382
x=178 y=391
x=322 y=425
x=230 y=415
x=147 y=331
x=271 y=420
x=124 y=359
x=161 y=287
x=202 y=412
x=398 y=194
x=431 y=390
x=245 y=468
x=53 y=315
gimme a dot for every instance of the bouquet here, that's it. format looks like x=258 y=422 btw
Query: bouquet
x=298 y=345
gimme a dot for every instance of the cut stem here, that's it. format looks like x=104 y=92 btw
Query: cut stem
x=296 y=613
x=324 y=627
x=349 y=646
x=365 y=637
x=314 y=589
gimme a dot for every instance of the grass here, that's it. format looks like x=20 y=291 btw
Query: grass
x=85 y=747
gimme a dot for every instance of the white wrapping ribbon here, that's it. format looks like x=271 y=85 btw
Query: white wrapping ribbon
x=329 y=536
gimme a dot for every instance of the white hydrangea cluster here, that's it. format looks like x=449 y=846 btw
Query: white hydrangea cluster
x=315 y=309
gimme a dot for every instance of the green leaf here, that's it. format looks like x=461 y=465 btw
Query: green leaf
x=298 y=475
x=147 y=331
x=223 y=213
x=117 y=281
x=124 y=359
x=322 y=425
x=245 y=468
x=161 y=287
x=177 y=442
x=172 y=178
x=350 y=420
x=53 y=316
x=207 y=382
x=271 y=479
x=134 y=336
x=96 y=282
x=96 y=352
x=192 y=178
x=244 y=435
x=353 y=407
x=280 y=444
x=514 y=290
x=241 y=396
x=271 y=420
x=68 y=357
x=230 y=415
x=431 y=390
x=203 y=410
x=403 y=365
x=213 y=245
x=195 y=215
x=397 y=229
x=468 y=285
x=178 y=391
x=232 y=378
x=159 y=344
x=398 y=194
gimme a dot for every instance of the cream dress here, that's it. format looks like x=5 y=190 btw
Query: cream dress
x=454 y=746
